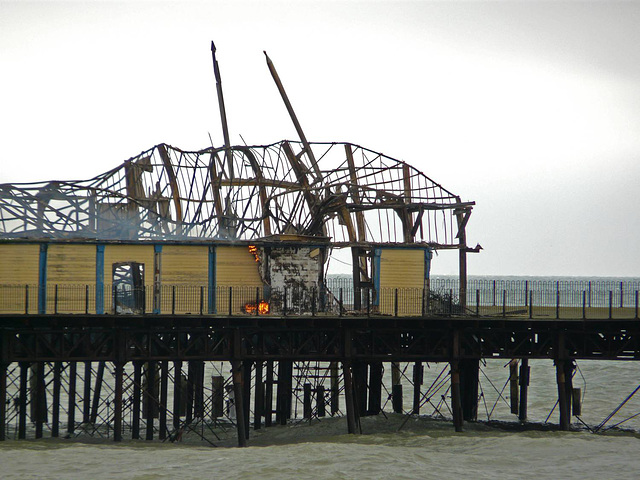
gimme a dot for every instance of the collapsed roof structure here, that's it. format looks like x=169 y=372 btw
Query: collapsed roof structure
x=349 y=194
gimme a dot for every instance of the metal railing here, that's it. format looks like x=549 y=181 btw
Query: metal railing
x=555 y=299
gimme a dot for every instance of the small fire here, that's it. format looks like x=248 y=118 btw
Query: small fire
x=253 y=250
x=263 y=308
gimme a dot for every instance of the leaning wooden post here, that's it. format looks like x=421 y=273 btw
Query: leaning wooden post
x=396 y=387
x=237 y=374
x=417 y=381
x=456 y=401
x=71 y=407
x=55 y=400
x=513 y=386
x=22 y=414
x=563 y=400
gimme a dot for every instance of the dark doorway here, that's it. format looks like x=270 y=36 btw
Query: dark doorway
x=128 y=288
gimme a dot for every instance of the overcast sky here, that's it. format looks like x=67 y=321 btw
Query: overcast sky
x=531 y=109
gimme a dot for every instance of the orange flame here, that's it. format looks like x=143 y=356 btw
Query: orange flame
x=254 y=251
x=263 y=308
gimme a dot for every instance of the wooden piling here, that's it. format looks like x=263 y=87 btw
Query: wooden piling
x=320 y=401
x=246 y=394
x=217 y=396
x=283 y=400
x=306 y=401
x=563 y=401
x=150 y=398
x=39 y=412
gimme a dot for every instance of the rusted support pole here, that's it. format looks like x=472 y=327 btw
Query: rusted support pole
x=306 y=401
x=268 y=395
x=396 y=387
x=320 y=401
x=177 y=393
x=55 y=399
x=3 y=400
x=198 y=389
x=39 y=411
x=375 y=388
x=513 y=386
x=135 y=405
x=117 y=401
x=456 y=401
x=164 y=398
x=359 y=376
x=237 y=376
x=96 y=392
x=462 y=217
x=283 y=402
x=86 y=399
x=563 y=400
x=246 y=394
x=525 y=372
x=352 y=413
x=469 y=372
x=22 y=401
x=258 y=404
x=71 y=406
x=150 y=398
x=335 y=388
x=191 y=379
x=417 y=381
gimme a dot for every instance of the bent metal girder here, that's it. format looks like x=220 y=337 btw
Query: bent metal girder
x=361 y=197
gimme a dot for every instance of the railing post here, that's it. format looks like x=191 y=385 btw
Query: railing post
x=558 y=303
x=26 y=299
x=86 y=299
x=55 y=299
x=636 y=317
x=201 y=299
x=257 y=301
x=610 y=304
x=313 y=301
x=395 y=303
x=230 y=302
x=368 y=301
x=115 y=299
x=341 y=304
x=477 y=302
x=530 y=303
x=526 y=293
x=589 y=294
x=424 y=301
x=494 y=293
x=504 y=303
x=584 y=304
x=173 y=299
x=621 y=295
x=450 y=301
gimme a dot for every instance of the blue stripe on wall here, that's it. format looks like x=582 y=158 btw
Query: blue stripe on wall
x=42 y=279
x=99 y=279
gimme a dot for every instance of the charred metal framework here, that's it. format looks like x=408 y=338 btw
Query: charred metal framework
x=360 y=196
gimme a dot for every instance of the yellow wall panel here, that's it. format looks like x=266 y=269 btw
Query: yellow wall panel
x=402 y=268
x=128 y=253
x=19 y=263
x=185 y=265
x=236 y=266
x=71 y=264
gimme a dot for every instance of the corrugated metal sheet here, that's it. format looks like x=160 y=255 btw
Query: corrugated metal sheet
x=19 y=263
x=182 y=265
x=71 y=264
x=236 y=266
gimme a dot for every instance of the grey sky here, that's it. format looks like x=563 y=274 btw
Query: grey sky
x=532 y=109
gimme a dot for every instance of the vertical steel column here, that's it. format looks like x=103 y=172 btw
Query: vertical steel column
x=246 y=394
x=97 y=391
x=177 y=393
x=374 y=406
x=3 y=400
x=335 y=388
x=456 y=403
x=135 y=406
x=22 y=399
x=268 y=395
x=150 y=399
x=418 y=374
x=469 y=373
x=164 y=394
x=40 y=409
x=396 y=387
x=352 y=413
x=86 y=399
